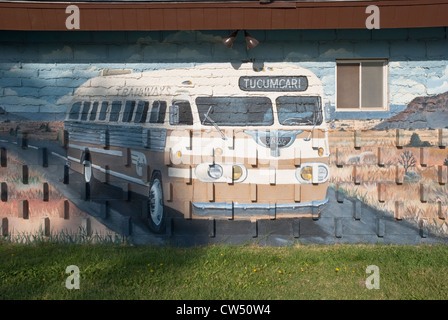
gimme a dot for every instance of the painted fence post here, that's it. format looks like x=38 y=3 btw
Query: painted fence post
x=5 y=226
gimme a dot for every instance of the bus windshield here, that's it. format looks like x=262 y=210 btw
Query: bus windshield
x=235 y=111
x=294 y=111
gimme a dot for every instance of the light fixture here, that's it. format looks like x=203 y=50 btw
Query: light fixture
x=228 y=41
x=251 y=42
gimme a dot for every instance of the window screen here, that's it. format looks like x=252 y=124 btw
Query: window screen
x=372 y=84
x=348 y=85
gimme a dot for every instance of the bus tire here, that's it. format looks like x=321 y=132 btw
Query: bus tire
x=156 y=209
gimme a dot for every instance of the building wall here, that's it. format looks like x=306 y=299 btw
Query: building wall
x=40 y=71
x=44 y=68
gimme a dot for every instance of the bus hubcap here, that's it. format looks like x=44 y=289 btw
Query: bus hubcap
x=155 y=203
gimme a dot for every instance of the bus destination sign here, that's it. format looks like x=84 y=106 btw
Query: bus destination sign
x=278 y=83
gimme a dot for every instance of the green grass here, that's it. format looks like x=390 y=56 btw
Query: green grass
x=111 y=271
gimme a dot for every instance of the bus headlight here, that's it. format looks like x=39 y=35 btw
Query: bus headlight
x=215 y=171
x=322 y=173
x=237 y=172
x=313 y=172
x=307 y=173
x=221 y=173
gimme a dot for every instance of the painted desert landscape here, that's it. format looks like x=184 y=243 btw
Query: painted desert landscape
x=401 y=172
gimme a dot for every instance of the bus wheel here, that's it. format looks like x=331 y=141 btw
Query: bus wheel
x=156 y=209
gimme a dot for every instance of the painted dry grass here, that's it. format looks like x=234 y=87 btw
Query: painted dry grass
x=359 y=171
x=37 y=130
x=17 y=190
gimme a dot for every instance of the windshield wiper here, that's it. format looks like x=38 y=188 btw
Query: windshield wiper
x=206 y=116
x=314 y=126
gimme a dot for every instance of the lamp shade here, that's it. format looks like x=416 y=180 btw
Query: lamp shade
x=228 y=41
x=251 y=42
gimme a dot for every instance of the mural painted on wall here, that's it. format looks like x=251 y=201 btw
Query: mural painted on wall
x=227 y=141
x=398 y=165
x=33 y=206
x=206 y=142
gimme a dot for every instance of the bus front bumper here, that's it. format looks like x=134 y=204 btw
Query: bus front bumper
x=232 y=210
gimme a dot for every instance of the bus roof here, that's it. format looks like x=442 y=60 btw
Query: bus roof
x=214 y=79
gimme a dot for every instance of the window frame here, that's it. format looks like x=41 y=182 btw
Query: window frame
x=385 y=85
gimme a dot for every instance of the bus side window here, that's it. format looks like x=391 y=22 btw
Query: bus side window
x=158 y=112
x=115 y=111
x=103 y=111
x=74 y=111
x=128 y=111
x=94 y=111
x=180 y=113
x=141 y=112
x=85 y=110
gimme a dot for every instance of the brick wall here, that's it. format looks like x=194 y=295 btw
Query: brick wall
x=39 y=71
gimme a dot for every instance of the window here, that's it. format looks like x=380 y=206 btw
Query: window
x=180 y=113
x=103 y=111
x=94 y=111
x=74 y=111
x=235 y=111
x=85 y=111
x=294 y=111
x=141 y=112
x=115 y=111
x=361 y=84
x=128 y=111
x=158 y=112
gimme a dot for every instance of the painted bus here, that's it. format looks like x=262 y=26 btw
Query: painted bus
x=210 y=141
